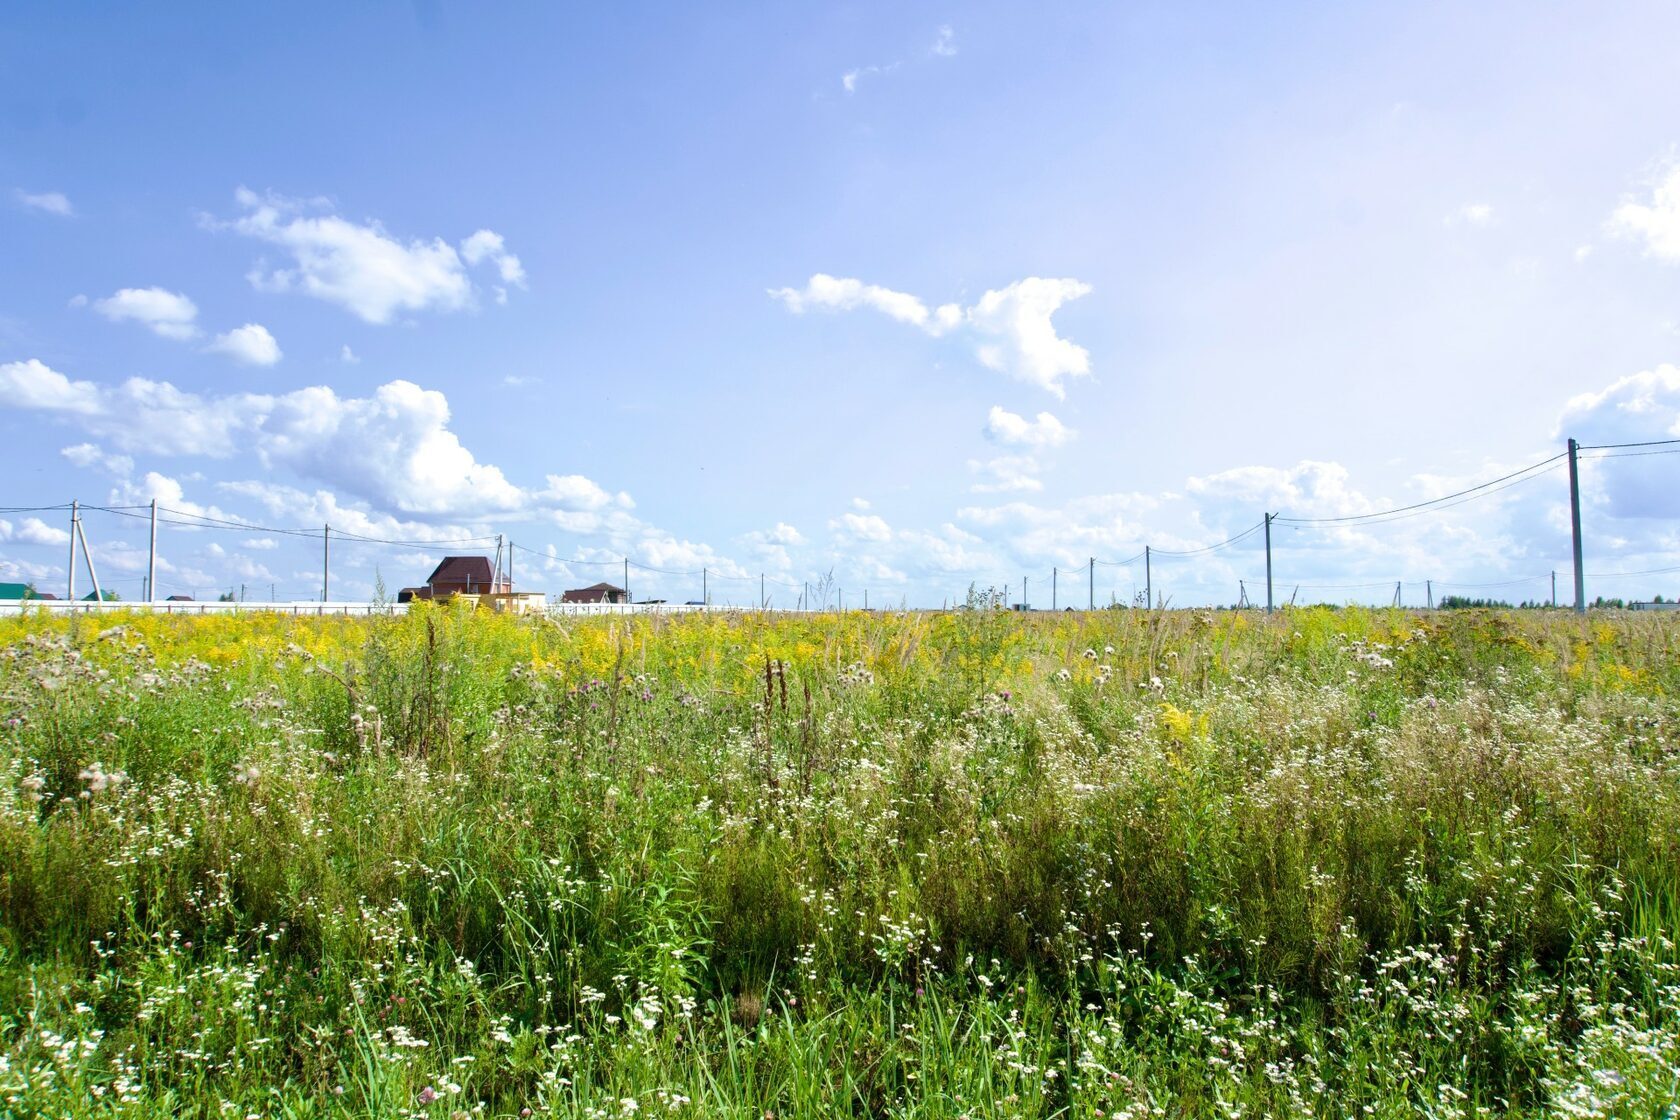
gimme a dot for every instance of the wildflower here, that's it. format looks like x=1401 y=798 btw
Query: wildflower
x=427 y=1095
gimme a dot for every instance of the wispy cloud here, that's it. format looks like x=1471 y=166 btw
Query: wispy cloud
x=48 y=202
x=944 y=46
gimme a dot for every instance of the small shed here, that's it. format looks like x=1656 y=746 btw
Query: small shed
x=596 y=593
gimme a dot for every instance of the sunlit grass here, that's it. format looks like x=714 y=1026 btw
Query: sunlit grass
x=977 y=864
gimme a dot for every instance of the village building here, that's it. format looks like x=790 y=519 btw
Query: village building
x=596 y=593
x=458 y=575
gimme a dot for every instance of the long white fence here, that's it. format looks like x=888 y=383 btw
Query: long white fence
x=316 y=609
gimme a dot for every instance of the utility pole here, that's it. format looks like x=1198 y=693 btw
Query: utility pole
x=151 y=560
x=326 y=562
x=1091 y=604
x=1268 y=563
x=510 y=568
x=705 y=590
x=1429 y=592
x=87 y=553
x=1148 y=584
x=1397 y=594
x=1024 y=605
x=627 y=597
x=1575 y=524
x=763 y=602
x=75 y=519
x=1554 y=587
x=1053 y=577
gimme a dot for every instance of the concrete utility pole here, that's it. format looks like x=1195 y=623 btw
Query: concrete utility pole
x=326 y=562
x=93 y=576
x=1053 y=577
x=151 y=560
x=705 y=591
x=627 y=598
x=1268 y=563
x=1091 y=604
x=1024 y=593
x=1429 y=593
x=75 y=519
x=764 y=602
x=1575 y=524
x=1148 y=584
x=1554 y=587
x=510 y=567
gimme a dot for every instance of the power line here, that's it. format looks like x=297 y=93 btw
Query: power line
x=354 y=537
x=1646 y=572
x=1387 y=514
x=1633 y=454
x=1226 y=543
x=1636 y=443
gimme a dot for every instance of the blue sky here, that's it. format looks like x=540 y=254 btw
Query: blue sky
x=922 y=295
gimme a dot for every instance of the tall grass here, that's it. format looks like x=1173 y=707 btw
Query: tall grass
x=1110 y=864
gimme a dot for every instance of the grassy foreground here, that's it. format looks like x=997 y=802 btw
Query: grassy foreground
x=1335 y=863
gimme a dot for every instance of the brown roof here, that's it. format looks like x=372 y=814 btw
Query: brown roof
x=595 y=593
x=465 y=571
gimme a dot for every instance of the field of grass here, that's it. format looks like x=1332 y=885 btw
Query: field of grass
x=1121 y=864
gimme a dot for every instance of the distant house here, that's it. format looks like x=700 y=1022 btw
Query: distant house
x=16 y=591
x=598 y=593
x=458 y=575
x=179 y=599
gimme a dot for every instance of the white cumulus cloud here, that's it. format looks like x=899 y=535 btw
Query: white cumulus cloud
x=92 y=455
x=250 y=345
x=32 y=530
x=394 y=449
x=1006 y=474
x=1010 y=328
x=165 y=313
x=1044 y=430
x=360 y=266
x=1656 y=221
x=861 y=527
